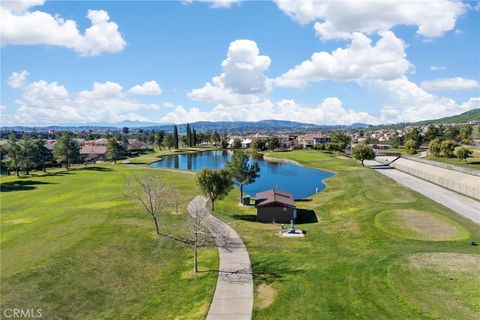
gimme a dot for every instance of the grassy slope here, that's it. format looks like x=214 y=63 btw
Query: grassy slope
x=473 y=162
x=340 y=270
x=75 y=247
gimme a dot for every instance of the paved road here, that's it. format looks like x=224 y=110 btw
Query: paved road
x=233 y=298
x=465 y=206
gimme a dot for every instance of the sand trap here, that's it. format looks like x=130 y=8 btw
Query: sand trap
x=420 y=225
x=390 y=195
x=265 y=295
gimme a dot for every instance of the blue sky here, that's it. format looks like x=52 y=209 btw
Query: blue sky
x=231 y=60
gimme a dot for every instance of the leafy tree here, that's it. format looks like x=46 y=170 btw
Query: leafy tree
x=272 y=143
x=363 y=152
x=114 y=149
x=175 y=137
x=215 y=184
x=432 y=133
x=340 y=138
x=466 y=133
x=237 y=143
x=452 y=132
x=224 y=138
x=395 y=140
x=241 y=170
x=13 y=151
x=168 y=141
x=258 y=144
x=463 y=153
x=215 y=137
x=319 y=146
x=332 y=147
x=414 y=135
x=411 y=146
x=448 y=148
x=43 y=155
x=66 y=150
x=27 y=155
x=125 y=130
x=435 y=147
x=159 y=138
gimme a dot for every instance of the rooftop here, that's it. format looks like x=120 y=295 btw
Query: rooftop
x=274 y=196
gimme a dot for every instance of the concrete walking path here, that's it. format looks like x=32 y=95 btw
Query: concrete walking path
x=463 y=205
x=233 y=298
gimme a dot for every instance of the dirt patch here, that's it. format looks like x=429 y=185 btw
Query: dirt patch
x=428 y=225
x=446 y=261
x=265 y=295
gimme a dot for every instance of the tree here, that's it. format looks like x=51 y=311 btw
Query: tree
x=241 y=170
x=215 y=137
x=168 y=141
x=435 y=147
x=189 y=136
x=432 y=133
x=215 y=184
x=43 y=155
x=463 y=153
x=466 y=133
x=448 y=148
x=414 y=135
x=159 y=136
x=175 y=137
x=151 y=193
x=258 y=144
x=395 y=140
x=13 y=151
x=114 y=149
x=411 y=146
x=194 y=137
x=224 y=138
x=340 y=138
x=27 y=155
x=125 y=130
x=272 y=143
x=363 y=152
x=237 y=143
x=66 y=150
x=452 y=132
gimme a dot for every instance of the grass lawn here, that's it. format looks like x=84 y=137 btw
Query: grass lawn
x=74 y=246
x=342 y=268
x=472 y=163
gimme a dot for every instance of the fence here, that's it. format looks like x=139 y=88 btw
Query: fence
x=444 y=165
x=470 y=191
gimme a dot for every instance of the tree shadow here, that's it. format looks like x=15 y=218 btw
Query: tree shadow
x=20 y=185
x=245 y=217
x=305 y=216
x=272 y=269
x=94 y=168
x=303 y=200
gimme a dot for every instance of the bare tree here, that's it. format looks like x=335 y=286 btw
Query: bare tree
x=174 y=197
x=151 y=193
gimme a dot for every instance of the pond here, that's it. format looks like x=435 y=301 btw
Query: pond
x=302 y=182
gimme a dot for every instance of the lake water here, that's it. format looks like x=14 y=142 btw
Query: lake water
x=300 y=181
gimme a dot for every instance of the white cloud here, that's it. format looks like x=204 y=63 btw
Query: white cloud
x=215 y=3
x=44 y=103
x=151 y=88
x=21 y=26
x=437 y=68
x=457 y=83
x=385 y=60
x=17 y=79
x=338 y=19
x=409 y=102
x=241 y=79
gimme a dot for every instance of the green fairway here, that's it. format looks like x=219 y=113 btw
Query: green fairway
x=340 y=270
x=74 y=246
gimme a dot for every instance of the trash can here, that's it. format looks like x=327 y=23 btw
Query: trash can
x=246 y=201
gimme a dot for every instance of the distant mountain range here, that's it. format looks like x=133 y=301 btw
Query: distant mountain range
x=241 y=127
x=233 y=127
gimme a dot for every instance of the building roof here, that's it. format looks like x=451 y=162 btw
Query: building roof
x=274 y=196
x=89 y=149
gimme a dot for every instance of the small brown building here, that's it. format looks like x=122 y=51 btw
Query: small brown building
x=275 y=206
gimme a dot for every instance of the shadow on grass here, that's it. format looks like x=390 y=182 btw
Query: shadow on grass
x=272 y=269
x=94 y=168
x=20 y=185
x=305 y=216
x=245 y=217
x=303 y=200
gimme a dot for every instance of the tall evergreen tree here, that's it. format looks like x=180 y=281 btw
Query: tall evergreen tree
x=241 y=170
x=194 y=137
x=114 y=149
x=175 y=137
x=14 y=154
x=66 y=150
x=42 y=154
x=189 y=136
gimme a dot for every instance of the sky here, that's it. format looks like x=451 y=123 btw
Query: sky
x=322 y=62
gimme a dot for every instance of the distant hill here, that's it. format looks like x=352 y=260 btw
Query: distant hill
x=459 y=118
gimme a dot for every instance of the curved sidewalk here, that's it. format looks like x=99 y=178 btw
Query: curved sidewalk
x=233 y=298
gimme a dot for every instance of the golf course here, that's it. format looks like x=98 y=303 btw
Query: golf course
x=76 y=246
